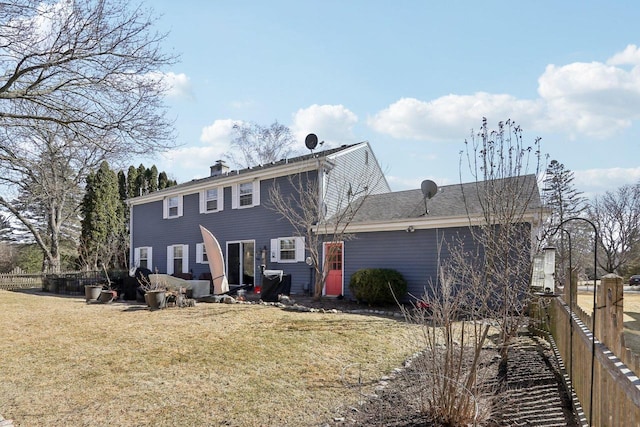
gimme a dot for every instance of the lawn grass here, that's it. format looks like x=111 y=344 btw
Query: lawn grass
x=631 y=316
x=65 y=362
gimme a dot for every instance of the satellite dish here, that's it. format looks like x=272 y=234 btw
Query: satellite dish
x=429 y=188
x=311 y=141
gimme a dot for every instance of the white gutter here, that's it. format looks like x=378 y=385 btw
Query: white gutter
x=418 y=223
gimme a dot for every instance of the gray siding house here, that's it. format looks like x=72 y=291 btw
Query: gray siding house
x=390 y=230
x=234 y=206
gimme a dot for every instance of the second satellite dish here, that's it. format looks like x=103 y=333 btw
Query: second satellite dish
x=311 y=141
x=429 y=188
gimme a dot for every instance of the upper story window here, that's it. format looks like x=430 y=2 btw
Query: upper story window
x=211 y=200
x=245 y=194
x=172 y=207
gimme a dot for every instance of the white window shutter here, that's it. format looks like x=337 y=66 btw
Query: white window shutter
x=220 y=198
x=299 y=249
x=203 y=201
x=185 y=258
x=274 y=250
x=256 y=192
x=199 y=253
x=165 y=208
x=136 y=257
x=234 y=196
x=150 y=258
x=169 y=260
x=180 y=206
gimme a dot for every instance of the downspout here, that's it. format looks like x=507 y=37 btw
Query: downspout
x=131 y=257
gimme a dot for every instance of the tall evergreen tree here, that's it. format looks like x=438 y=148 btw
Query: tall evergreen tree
x=132 y=179
x=105 y=224
x=103 y=219
x=564 y=201
x=152 y=179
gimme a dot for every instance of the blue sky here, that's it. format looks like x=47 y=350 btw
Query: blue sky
x=411 y=77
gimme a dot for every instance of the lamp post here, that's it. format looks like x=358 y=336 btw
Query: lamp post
x=593 y=313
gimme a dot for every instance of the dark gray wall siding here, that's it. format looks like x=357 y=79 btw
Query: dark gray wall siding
x=414 y=255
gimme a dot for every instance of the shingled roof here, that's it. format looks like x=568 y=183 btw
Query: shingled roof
x=450 y=200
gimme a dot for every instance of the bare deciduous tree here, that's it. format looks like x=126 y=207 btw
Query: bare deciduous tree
x=617 y=215
x=503 y=202
x=254 y=144
x=80 y=83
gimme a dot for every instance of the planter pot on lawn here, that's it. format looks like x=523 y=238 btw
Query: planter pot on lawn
x=106 y=296
x=92 y=292
x=155 y=299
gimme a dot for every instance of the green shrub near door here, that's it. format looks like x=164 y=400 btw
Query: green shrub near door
x=377 y=286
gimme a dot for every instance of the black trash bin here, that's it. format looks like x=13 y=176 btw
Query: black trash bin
x=275 y=283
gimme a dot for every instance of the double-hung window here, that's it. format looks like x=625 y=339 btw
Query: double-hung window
x=287 y=249
x=211 y=200
x=142 y=257
x=201 y=254
x=172 y=207
x=177 y=259
x=245 y=194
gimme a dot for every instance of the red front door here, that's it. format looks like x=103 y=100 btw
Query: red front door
x=333 y=264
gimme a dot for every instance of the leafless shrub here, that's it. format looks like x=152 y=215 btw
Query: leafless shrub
x=449 y=378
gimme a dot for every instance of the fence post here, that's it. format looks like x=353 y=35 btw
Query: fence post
x=611 y=316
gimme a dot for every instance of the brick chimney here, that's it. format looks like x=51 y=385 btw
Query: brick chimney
x=220 y=168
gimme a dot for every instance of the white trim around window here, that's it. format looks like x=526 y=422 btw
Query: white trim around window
x=287 y=249
x=175 y=253
x=201 y=254
x=172 y=207
x=143 y=257
x=212 y=200
x=245 y=194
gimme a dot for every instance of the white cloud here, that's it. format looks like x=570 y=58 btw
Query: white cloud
x=596 y=181
x=331 y=123
x=593 y=99
x=630 y=55
x=178 y=85
x=219 y=133
x=191 y=162
x=445 y=117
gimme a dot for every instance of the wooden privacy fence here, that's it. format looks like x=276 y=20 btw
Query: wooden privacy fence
x=68 y=282
x=615 y=390
x=18 y=279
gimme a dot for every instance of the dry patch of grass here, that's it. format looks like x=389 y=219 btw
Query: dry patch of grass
x=68 y=363
x=631 y=316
